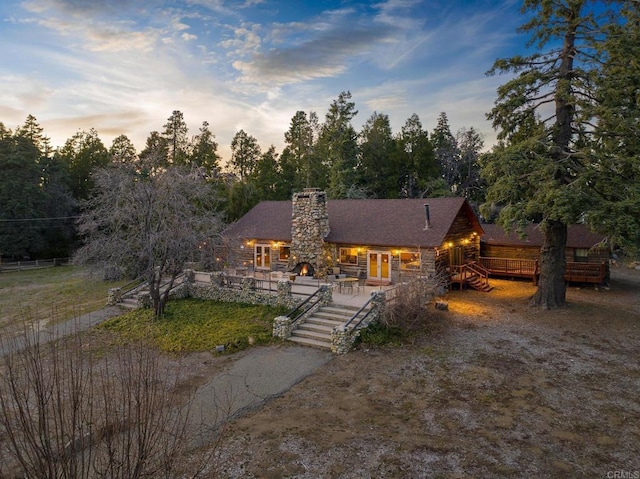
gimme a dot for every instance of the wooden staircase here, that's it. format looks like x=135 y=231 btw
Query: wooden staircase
x=316 y=330
x=478 y=284
x=473 y=275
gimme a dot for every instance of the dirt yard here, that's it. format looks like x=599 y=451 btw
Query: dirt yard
x=495 y=390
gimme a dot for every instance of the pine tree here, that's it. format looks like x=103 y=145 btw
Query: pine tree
x=204 y=151
x=446 y=151
x=175 y=132
x=615 y=163
x=245 y=152
x=538 y=171
x=338 y=145
x=376 y=172
x=417 y=166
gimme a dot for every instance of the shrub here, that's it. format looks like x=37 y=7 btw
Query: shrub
x=406 y=313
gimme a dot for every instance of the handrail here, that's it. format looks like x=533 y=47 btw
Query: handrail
x=357 y=313
x=309 y=306
x=476 y=268
x=172 y=280
x=131 y=285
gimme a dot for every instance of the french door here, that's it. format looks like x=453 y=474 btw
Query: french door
x=379 y=265
x=262 y=256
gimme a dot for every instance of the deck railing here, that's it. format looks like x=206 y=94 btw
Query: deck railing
x=585 y=272
x=530 y=268
x=526 y=268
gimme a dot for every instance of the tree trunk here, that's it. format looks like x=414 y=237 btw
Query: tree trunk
x=552 y=289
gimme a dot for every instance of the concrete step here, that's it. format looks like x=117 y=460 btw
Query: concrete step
x=333 y=317
x=318 y=326
x=311 y=342
x=128 y=304
x=316 y=330
x=322 y=323
x=310 y=334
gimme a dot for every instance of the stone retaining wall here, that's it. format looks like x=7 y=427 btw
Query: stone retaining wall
x=247 y=293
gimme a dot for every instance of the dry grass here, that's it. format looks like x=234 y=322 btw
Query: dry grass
x=502 y=391
x=52 y=294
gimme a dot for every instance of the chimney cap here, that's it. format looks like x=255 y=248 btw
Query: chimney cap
x=427 y=223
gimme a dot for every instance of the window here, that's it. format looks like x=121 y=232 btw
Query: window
x=348 y=256
x=284 y=253
x=410 y=261
x=581 y=255
x=262 y=256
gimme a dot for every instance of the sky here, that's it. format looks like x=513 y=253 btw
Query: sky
x=123 y=66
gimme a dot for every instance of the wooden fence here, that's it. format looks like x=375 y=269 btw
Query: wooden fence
x=35 y=264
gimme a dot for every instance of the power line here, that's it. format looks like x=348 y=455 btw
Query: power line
x=18 y=220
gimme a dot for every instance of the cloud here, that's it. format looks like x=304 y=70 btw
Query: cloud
x=84 y=8
x=326 y=55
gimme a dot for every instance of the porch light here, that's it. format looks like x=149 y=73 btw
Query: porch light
x=450 y=244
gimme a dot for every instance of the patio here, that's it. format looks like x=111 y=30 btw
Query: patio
x=346 y=291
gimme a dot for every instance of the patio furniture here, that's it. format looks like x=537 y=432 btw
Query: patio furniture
x=345 y=285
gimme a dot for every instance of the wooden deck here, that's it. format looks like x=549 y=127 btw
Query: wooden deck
x=529 y=268
x=585 y=272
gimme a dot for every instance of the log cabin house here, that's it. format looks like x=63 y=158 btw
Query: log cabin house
x=380 y=241
x=509 y=255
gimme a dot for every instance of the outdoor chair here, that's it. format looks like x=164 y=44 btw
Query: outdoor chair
x=347 y=288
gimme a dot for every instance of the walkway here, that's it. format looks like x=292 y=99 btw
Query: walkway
x=258 y=374
x=252 y=378
x=57 y=331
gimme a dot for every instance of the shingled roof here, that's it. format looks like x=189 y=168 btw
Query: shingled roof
x=398 y=222
x=578 y=236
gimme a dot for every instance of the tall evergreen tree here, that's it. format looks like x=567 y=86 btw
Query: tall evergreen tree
x=154 y=155
x=83 y=153
x=376 y=172
x=204 y=151
x=615 y=162
x=266 y=177
x=446 y=151
x=338 y=145
x=542 y=177
x=298 y=154
x=21 y=197
x=175 y=132
x=245 y=152
x=122 y=150
x=470 y=185
x=417 y=166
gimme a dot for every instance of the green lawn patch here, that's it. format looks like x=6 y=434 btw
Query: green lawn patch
x=197 y=325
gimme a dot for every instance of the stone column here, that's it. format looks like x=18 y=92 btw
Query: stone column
x=282 y=327
x=114 y=296
x=189 y=276
x=284 y=292
x=327 y=294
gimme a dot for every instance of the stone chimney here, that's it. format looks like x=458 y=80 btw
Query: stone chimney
x=309 y=227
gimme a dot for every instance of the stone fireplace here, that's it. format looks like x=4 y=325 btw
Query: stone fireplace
x=303 y=269
x=309 y=227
